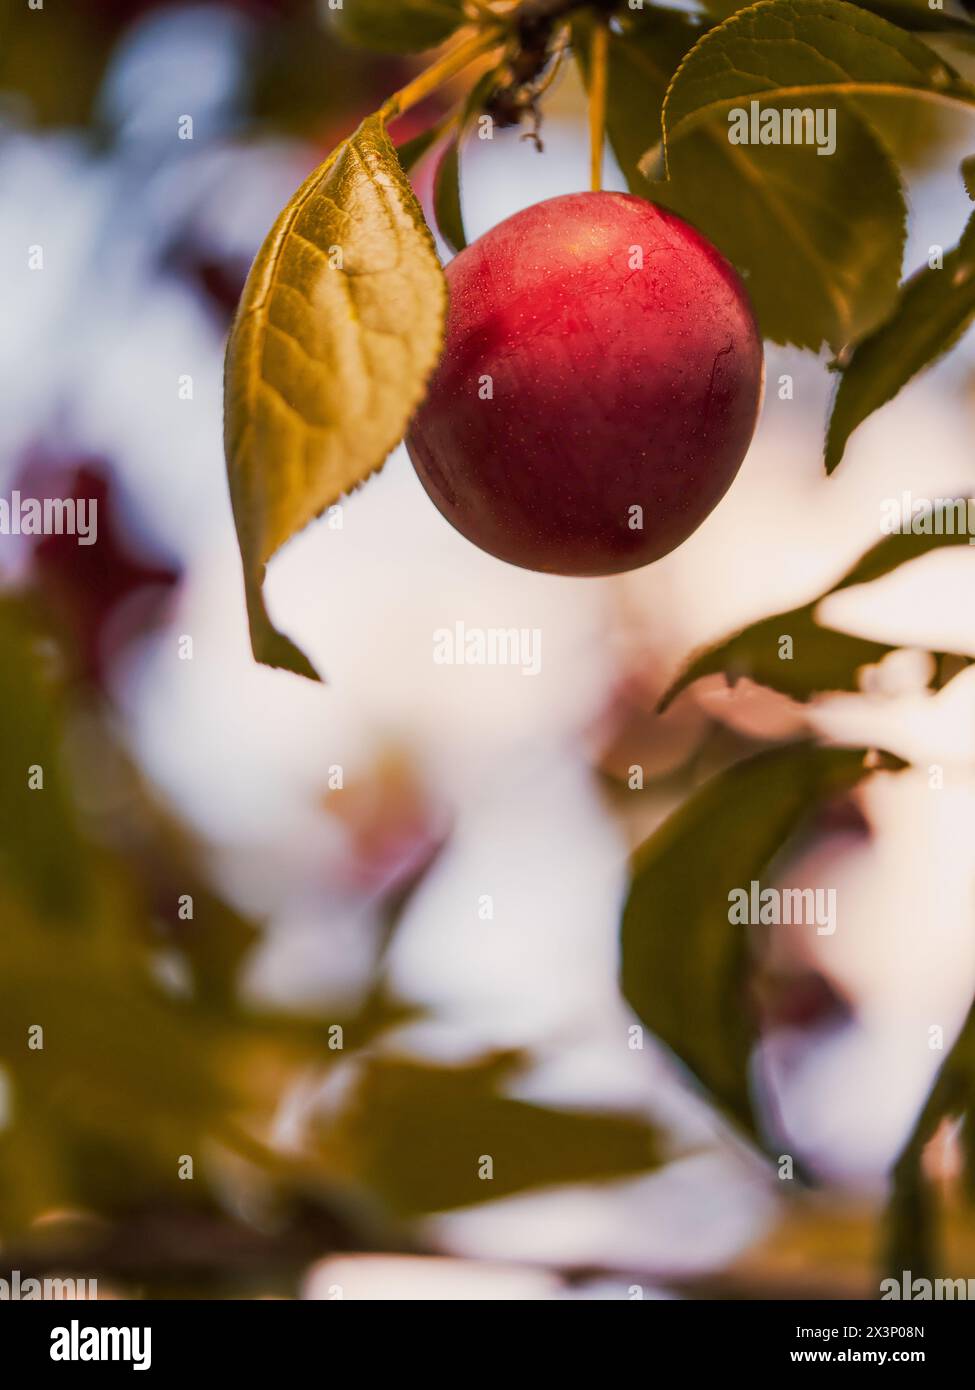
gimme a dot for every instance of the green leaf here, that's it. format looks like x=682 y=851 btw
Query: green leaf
x=819 y=241
x=822 y=659
x=912 y=1236
x=899 y=549
x=819 y=238
x=644 y=53
x=908 y=14
x=215 y=945
x=933 y=311
x=968 y=175
x=685 y=967
x=338 y=329
x=804 y=50
x=919 y=16
x=398 y=26
x=412 y=151
x=910 y=1220
x=447 y=205
x=131 y=1073
x=953 y=1095
x=41 y=852
x=446 y=197
x=64 y=89
x=126 y=1080
x=414 y=1135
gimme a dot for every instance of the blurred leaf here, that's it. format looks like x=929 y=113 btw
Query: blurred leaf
x=896 y=550
x=920 y=16
x=909 y=14
x=819 y=239
x=685 y=968
x=398 y=26
x=339 y=327
x=310 y=1038
x=302 y=81
x=912 y=1235
x=216 y=943
x=125 y=1083
x=911 y=1221
x=968 y=176
x=822 y=658
x=132 y=1074
x=51 y=62
x=40 y=850
x=126 y=1080
x=131 y=1078
x=934 y=309
x=415 y=1134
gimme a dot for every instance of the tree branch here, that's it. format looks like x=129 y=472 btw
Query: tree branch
x=534 y=25
x=533 y=18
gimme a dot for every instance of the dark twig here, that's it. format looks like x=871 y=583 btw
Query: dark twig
x=535 y=27
x=534 y=17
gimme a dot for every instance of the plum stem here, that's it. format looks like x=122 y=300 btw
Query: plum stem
x=599 y=67
x=447 y=66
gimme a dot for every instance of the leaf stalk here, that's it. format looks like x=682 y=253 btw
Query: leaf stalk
x=454 y=61
x=599 y=66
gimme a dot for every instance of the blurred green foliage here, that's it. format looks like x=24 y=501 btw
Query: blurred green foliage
x=404 y=27
x=822 y=659
x=686 y=968
x=438 y=1122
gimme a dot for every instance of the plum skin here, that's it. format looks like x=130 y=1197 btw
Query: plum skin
x=611 y=388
